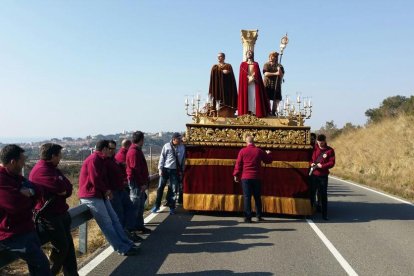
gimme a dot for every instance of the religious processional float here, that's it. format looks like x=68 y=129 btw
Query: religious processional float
x=214 y=139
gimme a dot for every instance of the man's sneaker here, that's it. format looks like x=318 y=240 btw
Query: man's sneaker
x=144 y=230
x=248 y=220
x=155 y=210
x=131 y=252
x=134 y=237
x=172 y=211
x=260 y=219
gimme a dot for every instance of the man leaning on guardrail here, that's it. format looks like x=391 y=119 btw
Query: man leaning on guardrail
x=17 y=199
x=95 y=193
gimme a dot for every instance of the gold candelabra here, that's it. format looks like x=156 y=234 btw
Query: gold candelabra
x=295 y=111
x=198 y=111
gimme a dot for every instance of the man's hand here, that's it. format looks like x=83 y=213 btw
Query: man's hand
x=319 y=165
x=225 y=71
x=236 y=179
x=268 y=151
x=27 y=192
x=160 y=172
x=250 y=78
x=109 y=194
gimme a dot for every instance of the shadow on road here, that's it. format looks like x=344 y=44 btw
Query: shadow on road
x=346 y=206
x=181 y=234
x=219 y=273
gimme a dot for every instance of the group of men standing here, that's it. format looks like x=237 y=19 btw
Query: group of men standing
x=112 y=185
x=256 y=96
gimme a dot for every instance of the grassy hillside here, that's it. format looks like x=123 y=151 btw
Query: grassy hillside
x=380 y=155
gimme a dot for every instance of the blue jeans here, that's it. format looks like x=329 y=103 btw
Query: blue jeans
x=138 y=199
x=251 y=187
x=108 y=221
x=167 y=174
x=122 y=205
x=27 y=247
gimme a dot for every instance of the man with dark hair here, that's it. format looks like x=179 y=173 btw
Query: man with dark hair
x=323 y=159
x=121 y=203
x=138 y=179
x=247 y=168
x=171 y=167
x=52 y=208
x=94 y=191
x=17 y=199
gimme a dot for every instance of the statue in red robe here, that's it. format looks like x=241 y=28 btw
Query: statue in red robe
x=252 y=96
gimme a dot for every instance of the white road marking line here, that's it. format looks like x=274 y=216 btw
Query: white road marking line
x=345 y=265
x=372 y=190
x=107 y=252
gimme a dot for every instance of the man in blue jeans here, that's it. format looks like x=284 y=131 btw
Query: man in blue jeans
x=171 y=167
x=247 y=168
x=17 y=199
x=94 y=191
x=138 y=179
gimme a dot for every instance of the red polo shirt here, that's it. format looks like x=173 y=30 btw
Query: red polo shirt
x=51 y=182
x=93 y=178
x=15 y=209
x=249 y=162
x=136 y=166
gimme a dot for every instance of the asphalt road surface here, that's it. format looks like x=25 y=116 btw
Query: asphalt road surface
x=368 y=233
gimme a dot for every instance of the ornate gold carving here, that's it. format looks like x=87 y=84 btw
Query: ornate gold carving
x=248 y=120
x=233 y=135
x=232 y=162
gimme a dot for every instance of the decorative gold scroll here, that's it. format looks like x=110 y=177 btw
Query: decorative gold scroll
x=232 y=162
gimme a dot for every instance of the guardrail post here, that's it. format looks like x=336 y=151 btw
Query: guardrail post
x=83 y=238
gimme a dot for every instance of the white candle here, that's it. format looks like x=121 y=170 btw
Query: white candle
x=310 y=103
x=186 y=101
x=287 y=101
x=198 y=96
x=298 y=99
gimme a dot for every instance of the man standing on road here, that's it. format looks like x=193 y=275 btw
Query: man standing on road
x=247 y=169
x=323 y=159
x=170 y=167
x=138 y=179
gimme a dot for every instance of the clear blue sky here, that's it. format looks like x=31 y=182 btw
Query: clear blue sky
x=73 y=68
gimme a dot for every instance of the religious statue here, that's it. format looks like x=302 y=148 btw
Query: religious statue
x=273 y=75
x=252 y=97
x=223 y=90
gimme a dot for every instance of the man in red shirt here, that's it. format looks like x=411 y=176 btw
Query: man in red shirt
x=94 y=191
x=54 y=217
x=248 y=166
x=138 y=179
x=323 y=159
x=17 y=199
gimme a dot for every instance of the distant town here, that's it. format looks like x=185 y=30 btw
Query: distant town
x=77 y=149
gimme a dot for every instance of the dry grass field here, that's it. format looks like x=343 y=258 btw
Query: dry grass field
x=379 y=156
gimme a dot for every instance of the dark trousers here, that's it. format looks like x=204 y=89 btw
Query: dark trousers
x=27 y=247
x=57 y=228
x=251 y=187
x=320 y=186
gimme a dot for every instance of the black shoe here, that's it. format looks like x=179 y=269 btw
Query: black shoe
x=134 y=237
x=144 y=230
x=248 y=220
x=131 y=252
x=260 y=219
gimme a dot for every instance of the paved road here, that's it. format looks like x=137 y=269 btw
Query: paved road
x=367 y=234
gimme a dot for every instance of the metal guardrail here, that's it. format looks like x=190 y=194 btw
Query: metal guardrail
x=80 y=216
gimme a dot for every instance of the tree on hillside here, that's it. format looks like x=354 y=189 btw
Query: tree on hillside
x=391 y=107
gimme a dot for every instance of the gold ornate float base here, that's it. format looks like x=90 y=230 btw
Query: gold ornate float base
x=234 y=203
